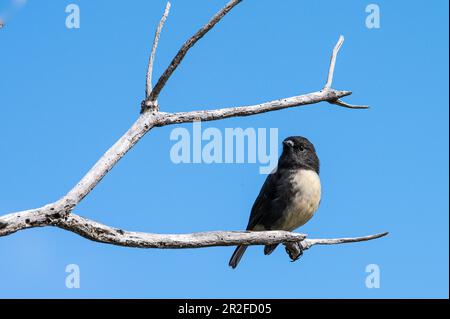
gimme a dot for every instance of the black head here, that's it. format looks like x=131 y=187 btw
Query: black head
x=298 y=152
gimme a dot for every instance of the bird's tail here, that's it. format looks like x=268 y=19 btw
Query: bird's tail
x=268 y=249
x=237 y=255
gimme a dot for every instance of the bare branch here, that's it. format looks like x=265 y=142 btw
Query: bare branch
x=218 y=114
x=311 y=242
x=108 y=235
x=104 y=234
x=296 y=249
x=187 y=45
x=148 y=84
x=349 y=106
x=327 y=86
x=336 y=49
x=59 y=213
x=14 y=222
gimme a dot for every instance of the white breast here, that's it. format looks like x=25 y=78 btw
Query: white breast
x=307 y=190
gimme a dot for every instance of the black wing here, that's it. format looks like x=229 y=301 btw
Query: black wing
x=270 y=203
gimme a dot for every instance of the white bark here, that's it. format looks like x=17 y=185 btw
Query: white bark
x=148 y=82
x=295 y=243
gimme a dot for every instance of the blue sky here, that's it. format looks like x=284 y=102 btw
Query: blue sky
x=67 y=95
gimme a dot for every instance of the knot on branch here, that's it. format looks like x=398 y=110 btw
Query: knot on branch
x=148 y=105
x=335 y=94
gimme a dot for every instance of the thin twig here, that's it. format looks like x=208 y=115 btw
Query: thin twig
x=186 y=46
x=327 y=86
x=349 y=106
x=296 y=249
x=108 y=235
x=306 y=244
x=148 y=82
x=333 y=62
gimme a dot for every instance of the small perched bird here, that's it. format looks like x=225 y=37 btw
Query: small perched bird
x=290 y=195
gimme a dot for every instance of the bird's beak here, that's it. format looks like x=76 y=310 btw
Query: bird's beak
x=288 y=143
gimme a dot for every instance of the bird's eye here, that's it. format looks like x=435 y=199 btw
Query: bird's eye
x=301 y=148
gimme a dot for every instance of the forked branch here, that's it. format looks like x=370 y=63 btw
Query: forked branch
x=187 y=45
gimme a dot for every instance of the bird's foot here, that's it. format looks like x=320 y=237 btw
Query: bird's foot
x=294 y=251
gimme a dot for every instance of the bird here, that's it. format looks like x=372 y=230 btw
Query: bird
x=290 y=195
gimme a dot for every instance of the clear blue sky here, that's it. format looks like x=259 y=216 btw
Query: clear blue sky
x=67 y=95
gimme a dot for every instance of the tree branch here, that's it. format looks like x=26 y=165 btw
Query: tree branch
x=186 y=46
x=148 y=82
x=329 y=82
x=349 y=106
x=104 y=234
x=60 y=213
x=219 y=114
x=334 y=54
x=295 y=249
x=108 y=235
